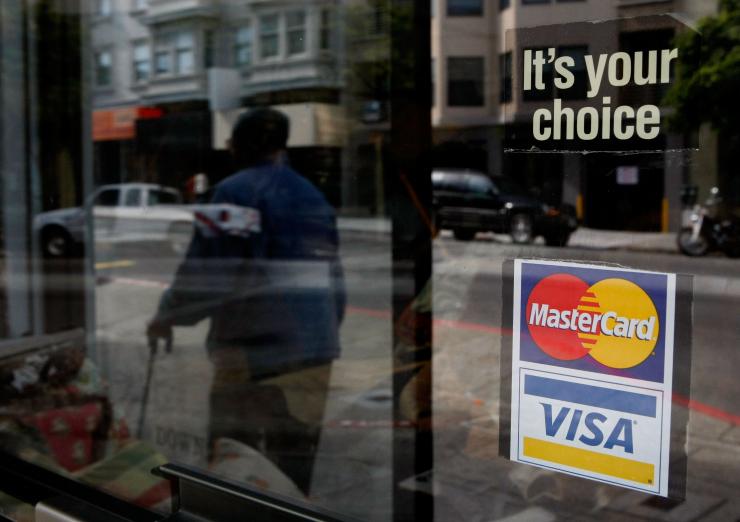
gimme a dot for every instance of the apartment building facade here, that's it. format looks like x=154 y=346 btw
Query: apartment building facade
x=171 y=77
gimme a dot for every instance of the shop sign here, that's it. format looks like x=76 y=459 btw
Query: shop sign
x=120 y=123
x=592 y=368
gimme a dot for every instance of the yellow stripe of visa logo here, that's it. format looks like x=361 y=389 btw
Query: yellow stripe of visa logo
x=610 y=465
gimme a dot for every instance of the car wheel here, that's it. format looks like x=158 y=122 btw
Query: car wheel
x=179 y=237
x=464 y=234
x=691 y=246
x=521 y=229
x=56 y=243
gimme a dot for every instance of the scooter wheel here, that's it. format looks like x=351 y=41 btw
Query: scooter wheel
x=690 y=246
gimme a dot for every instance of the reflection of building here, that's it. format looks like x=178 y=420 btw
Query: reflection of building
x=477 y=50
x=180 y=68
x=367 y=93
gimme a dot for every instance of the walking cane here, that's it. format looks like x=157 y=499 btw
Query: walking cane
x=152 y=341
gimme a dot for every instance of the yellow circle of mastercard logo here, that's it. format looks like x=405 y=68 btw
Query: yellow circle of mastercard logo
x=614 y=321
x=628 y=325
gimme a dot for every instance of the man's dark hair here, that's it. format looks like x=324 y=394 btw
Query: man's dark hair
x=257 y=134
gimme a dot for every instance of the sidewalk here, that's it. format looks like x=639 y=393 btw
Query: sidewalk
x=582 y=238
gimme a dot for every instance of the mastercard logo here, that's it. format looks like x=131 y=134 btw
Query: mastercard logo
x=613 y=321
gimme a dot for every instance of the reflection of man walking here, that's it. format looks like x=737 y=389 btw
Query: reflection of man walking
x=275 y=300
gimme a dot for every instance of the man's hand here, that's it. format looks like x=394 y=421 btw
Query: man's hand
x=159 y=329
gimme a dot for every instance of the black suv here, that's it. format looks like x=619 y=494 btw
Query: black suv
x=468 y=202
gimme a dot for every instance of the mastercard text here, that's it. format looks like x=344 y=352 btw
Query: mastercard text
x=610 y=323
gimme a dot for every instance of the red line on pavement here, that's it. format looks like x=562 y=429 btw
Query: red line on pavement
x=476 y=327
x=445 y=323
x=706 y=409
x=700 y=407
x=692 y=404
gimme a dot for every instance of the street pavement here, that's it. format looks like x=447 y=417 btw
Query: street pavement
x=470 y=481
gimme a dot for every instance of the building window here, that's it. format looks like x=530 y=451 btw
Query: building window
x=140 y=5
x=295 y=22
x=505 y=72
x=184 y=60
x=104 y=7
x=174 y=53
x=580 y=87
x=243 y=46
x=464 y=7
x=162 y=62
x=326 y=30
x=531 y=2
x=465 y=80
x=103 y=68
x=503 y=4
x=269 y=43
x=142 y=62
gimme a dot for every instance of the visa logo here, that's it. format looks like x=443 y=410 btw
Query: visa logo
x=591 y=429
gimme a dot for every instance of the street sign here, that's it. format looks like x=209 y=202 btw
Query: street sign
x=592 y=372
x=628 y=175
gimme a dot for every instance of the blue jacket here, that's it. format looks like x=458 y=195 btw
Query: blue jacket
x=278 y=294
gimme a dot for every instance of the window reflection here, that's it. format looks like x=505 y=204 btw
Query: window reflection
x=266 y=273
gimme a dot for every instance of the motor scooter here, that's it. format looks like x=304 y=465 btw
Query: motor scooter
x=705 y=229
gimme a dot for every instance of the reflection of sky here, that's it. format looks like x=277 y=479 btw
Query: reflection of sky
x=653 y=284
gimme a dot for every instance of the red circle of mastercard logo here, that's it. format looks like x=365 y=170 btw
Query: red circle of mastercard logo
x=613 y=321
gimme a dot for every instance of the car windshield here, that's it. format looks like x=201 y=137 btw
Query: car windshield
x=509 y=186
x=163 y=197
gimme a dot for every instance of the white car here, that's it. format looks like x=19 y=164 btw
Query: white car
x=140 y=212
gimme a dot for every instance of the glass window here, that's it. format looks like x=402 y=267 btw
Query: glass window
x=163 y=62
x=104 y=7
x=140 y=5
x=103 y=68
x=243 y=46
x=142 y=62
x=133 y=198
x=162 y=197
x=465 y=81
x=326 y=30
x=295 y=22
x=480 y=185
x=295 y=280
x=464 y=7
x=269 y=36
x=107 y=198
x=184 y=53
